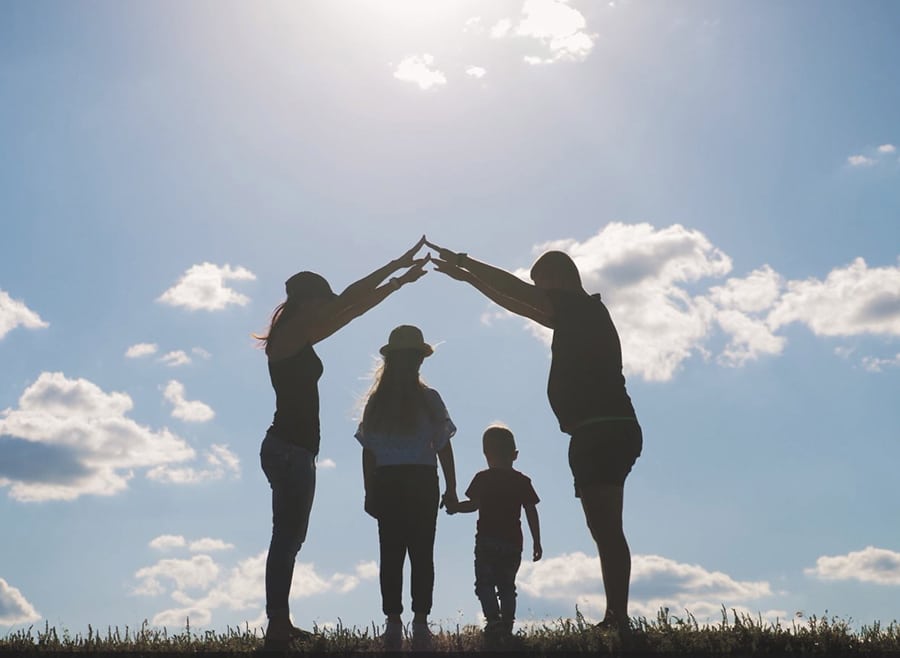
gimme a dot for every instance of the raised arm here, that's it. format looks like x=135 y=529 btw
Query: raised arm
x=542 y=313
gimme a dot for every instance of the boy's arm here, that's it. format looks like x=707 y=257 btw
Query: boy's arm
x=534 y=525
x=463 y=506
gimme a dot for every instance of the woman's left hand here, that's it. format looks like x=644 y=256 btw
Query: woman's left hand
x=416 y=271
x=408 y=259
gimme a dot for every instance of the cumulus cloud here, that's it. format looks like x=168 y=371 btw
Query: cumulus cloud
x=14 y=313
x=670 y=294
x=477 y=72
x=191 y=411
x=141 y=350
x=208 y=544
x=241 y=587
x=14 y=607
x=220 y=462
x=870 y=565
x=419 y=70
x=203 y=287
x=559 y=27
x=68 y=438
x=167 y=542
x=852 y=300
x=656 y=582
x=887 y=148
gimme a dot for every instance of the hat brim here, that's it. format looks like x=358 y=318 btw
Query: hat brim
x=424 y=348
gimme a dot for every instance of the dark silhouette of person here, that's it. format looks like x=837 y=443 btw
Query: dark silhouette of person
x=587 y=393
x=499 y=494
x=311 y=313
x=405 y=430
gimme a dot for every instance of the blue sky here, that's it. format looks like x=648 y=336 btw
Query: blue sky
x=726 y=175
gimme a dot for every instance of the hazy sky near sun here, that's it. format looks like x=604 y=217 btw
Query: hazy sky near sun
x=727 y=176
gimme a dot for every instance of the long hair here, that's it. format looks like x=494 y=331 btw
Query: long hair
x=282 y=312
x=397 y=396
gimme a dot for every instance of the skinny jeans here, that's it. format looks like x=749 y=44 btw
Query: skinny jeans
x=291 y=472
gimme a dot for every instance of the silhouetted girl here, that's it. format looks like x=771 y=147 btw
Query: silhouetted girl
x=405 y=430
x=310 y=313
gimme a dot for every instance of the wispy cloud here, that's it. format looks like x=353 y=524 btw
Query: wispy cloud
x=878 y=364
x=477 y=72
x=14 y=313
x=14 y=607
x=208 y=545
x=860 y=161
x=887 y=148
x=202 y=287
x=68 y=438
x=219 y=462
x=870 y=565
x=420 y=70
x=141 y=350
x=175 y=358
x=191 y=411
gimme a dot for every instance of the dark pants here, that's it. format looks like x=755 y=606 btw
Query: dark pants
x=496 y=565
x=291 y=471
x=406 y=505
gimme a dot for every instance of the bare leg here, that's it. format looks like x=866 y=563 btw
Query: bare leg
x=602 y=504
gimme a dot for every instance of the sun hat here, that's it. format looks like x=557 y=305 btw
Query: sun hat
x=406 y=337
x=308 y=285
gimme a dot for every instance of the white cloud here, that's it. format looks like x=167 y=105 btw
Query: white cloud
x=419 y=70
x=14 y=607
x=208 y=544
x=191 y=411
x=175 y=358
x=14 y=313
x=69 y=438
x=860 y=161
x=473 y=25
x=326 y=463
x=870 y=565
x=655 y=582
x=202 y=353
x=476 y=72
x=167 y=542
x=241 y=587
x=887 y=148
x=852 y=300
x=559 y=27
x=198 y=572
x=877 y=364
x=501 y=28
x=203 y=287
x=220 y=463
x=140 y=350
x=652 y=281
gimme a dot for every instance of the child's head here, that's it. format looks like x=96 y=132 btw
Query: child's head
x=499 y=446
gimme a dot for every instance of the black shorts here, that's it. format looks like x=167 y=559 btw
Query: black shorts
x=604 y=452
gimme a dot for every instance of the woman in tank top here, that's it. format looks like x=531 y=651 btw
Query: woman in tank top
x=310 y=313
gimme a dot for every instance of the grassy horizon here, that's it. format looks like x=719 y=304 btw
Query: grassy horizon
x=737 y=634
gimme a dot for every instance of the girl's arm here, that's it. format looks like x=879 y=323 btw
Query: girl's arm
x=368 y=464
x=448 y=466
x=534 y=526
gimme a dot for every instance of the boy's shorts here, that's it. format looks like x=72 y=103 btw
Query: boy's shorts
x=604 y=452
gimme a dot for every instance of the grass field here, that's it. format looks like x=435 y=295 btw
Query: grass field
x=735 y=635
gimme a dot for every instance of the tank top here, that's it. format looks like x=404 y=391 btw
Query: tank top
x=296 y=383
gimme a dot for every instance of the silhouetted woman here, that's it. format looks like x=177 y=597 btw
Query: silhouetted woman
x=310 y=313
x=587 y=393
x=405 y=430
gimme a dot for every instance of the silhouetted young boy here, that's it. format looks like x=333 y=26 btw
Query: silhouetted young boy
x=499 y=493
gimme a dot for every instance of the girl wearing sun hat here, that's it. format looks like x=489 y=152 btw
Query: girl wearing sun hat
x=310 y=313
x=405 y=430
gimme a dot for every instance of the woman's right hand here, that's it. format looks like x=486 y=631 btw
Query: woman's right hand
x=408 y=259
x=416 y=271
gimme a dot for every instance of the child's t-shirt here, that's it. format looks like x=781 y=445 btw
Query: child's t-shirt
x=501 y=493
x=433 y=430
